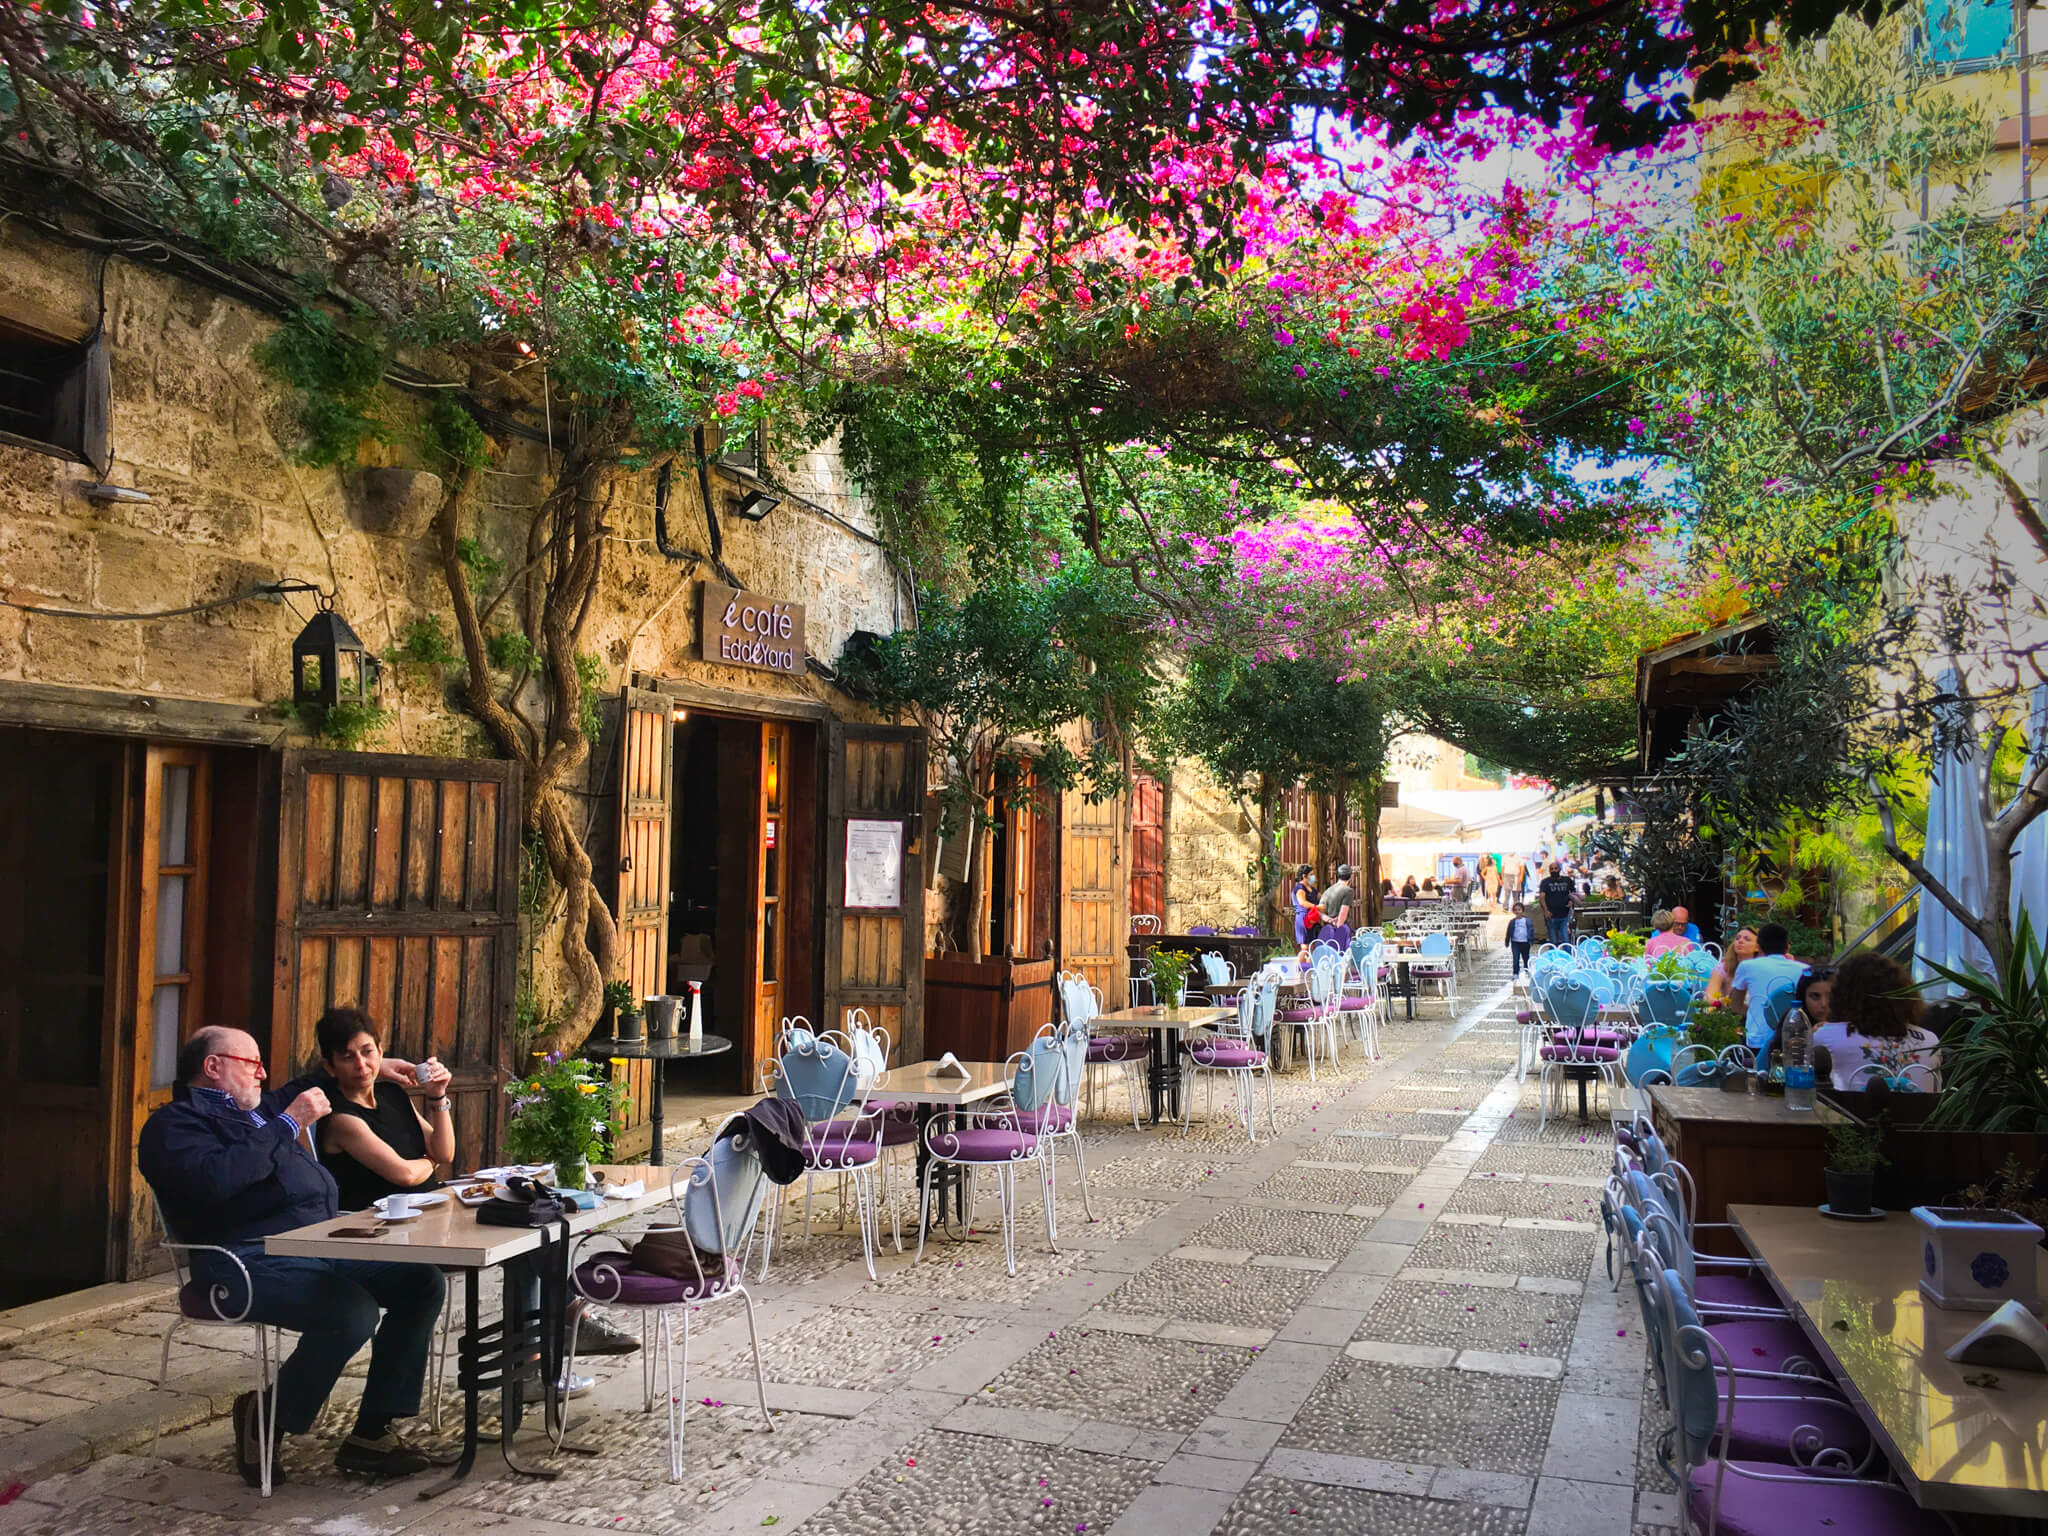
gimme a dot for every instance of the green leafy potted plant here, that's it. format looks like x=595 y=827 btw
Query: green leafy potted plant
x=1713 y=1026
x=1169 y=969
x=562 y=1113
x=1623 y=946
x=624 y=1009
x=1854 y=1156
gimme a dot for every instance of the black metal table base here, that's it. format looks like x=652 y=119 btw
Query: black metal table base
x=1162 y=1075
x=946 y=1177
x=501 y=1356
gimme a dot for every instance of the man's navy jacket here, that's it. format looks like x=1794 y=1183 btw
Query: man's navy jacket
x=223 y=1177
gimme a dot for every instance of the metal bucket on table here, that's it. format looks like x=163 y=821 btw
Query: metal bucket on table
x=662 y=1012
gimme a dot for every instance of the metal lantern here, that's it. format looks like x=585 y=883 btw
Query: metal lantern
x=330 y=663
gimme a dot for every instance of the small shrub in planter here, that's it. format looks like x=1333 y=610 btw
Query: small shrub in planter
x=1853 y=1160
x=624 y=1008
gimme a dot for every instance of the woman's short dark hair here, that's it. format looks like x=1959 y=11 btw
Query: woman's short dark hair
x=337 y=1027
x=1302 y=873
x=1868 y=988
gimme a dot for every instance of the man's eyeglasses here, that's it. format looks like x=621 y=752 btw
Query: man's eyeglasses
x=247 y=1061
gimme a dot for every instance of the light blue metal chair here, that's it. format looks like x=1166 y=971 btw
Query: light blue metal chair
x=1237 y=1051
x=818 y=1073
x=995 y=1137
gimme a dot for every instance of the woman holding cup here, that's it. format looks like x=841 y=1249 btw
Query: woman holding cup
x=378 y=1142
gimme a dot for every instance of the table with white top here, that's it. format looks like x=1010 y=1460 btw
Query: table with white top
x=449 y=1236
x=922 y=1085
x=1162 y=1073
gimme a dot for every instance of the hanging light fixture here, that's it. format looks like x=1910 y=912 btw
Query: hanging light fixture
x=330 y=663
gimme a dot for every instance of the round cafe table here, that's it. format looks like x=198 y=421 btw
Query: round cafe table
x=677 y=1049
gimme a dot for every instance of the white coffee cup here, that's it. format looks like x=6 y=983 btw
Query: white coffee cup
x=395 y=1207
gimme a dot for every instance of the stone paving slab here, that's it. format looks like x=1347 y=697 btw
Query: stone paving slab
x=1253 y=1340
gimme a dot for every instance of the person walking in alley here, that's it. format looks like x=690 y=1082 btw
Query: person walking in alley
x=1521 y=934
x=1560 y=895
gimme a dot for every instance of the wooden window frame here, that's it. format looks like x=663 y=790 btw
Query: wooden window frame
x=157 y=758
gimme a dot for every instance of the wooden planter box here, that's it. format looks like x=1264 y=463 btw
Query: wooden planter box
x=1743 y=1151
x=1926 y=1167
x=984 y=1010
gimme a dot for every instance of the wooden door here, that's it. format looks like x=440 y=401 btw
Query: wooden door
x=1095 y=891
x=771 y=909
x=170 y=972
x=874 y=954
x=1148 y=854
x=398 y=893
x=64 y=808
x=640 y=898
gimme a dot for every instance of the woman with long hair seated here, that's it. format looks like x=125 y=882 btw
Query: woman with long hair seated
x=1875 y=1017
x=1722 y=978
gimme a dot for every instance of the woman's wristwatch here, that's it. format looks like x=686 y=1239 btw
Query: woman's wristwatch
x=440 y=1104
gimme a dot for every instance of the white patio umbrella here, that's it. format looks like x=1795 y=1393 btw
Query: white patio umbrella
x=1958 y=854
x=2030 y=853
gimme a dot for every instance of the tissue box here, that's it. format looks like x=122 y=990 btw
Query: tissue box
x=1977 y=1261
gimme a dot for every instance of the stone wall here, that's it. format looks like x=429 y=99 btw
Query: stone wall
x=1209 y=853
x=204 y=430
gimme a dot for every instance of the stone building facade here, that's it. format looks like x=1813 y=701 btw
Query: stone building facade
x=230 y=869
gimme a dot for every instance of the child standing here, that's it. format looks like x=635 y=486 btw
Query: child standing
x=1520 y=933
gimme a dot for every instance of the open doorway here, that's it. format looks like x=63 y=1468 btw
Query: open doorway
x=743 y=871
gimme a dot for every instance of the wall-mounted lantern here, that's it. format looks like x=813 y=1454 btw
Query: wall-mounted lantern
x=330 y=663
x=757 y=505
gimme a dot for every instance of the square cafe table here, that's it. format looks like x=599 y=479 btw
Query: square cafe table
x=921 y=1084
x=1854 y=1287
x=1162 y=1074
x=449 y=1236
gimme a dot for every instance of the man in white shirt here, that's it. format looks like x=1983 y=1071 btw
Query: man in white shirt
x=1757 y=977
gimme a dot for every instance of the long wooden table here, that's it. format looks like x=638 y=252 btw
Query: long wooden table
x=449 y=1236
x=1854 y=1286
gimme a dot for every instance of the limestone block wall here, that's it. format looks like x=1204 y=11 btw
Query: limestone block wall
x=1209 y=853
x=206 y=432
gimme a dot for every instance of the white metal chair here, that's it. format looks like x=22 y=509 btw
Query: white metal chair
x=201 y=1305
x=1238 y=1051
x=995 y=1138
x=716 y=1213
x=817 y=1072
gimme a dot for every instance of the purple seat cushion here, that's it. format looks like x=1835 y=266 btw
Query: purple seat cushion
x=1354 y=1004
x=1766 y=1422
x=1297 y=1016
x=838 y=1144
x=195 y=1299
x=1734 y=1290
x=1524 y=1016
x=1761 y=1343
x=611 y=1279
x=1226 y=1056
x=1117 y=1047
x=984 y=1144
x=1579 y=1053
x=896 y=1132
x=1815 y=1504
x=1036 y=1122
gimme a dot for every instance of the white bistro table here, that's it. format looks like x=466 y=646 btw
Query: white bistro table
x=929 y=1090
x=449 y=1236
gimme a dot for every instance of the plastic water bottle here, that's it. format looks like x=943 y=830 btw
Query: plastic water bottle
x=1797 y=1034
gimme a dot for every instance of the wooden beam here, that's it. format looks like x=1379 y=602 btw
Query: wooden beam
x=103 y=712
x=1725 y=666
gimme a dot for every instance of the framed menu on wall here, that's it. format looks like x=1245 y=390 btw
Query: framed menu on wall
x=874 y=864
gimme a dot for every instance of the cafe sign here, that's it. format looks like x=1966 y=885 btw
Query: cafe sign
x=741 y=629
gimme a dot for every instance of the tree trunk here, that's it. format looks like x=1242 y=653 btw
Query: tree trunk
x=1270 y=905
x=1369 y=856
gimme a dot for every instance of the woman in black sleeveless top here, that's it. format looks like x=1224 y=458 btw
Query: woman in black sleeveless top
x=376 y=1143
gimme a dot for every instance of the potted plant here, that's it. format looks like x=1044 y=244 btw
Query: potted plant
x=561 y=1114
x=1854 y=1156
x=624 y=1009
x=1169 y=969
x=1623 y=946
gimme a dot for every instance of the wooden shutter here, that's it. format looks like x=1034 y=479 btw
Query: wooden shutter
x=640 y=900
x=874 y=959
x=1096 y=920
x=1148 y=854
x=398 y=893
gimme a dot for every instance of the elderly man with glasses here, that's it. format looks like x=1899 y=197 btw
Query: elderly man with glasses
x=229 y=1168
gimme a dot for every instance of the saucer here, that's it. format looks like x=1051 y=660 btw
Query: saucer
x=429 y=1200
x=1873 y=1214
x=410 y=1214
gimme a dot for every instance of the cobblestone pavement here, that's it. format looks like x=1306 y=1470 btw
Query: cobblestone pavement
x=1393 y=1318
